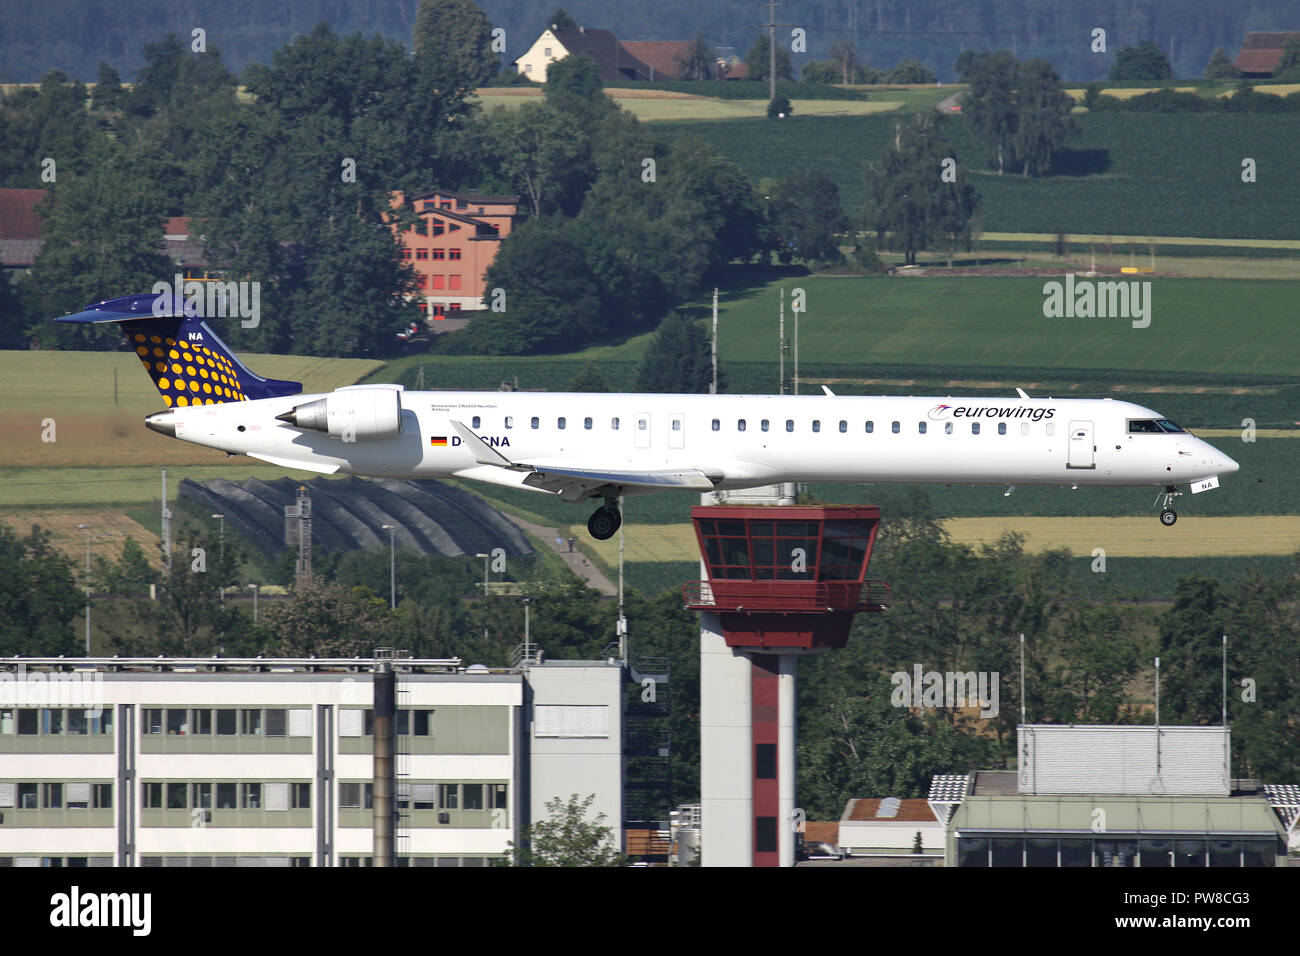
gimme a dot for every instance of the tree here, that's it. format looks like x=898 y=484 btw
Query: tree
x=329 y=620
x=1288 y=65
x=567 y=838
x=543 y=154
x=1135 y=64
x=912 y=204
x=1191 y=650
x=698 y=64
x=588 y=380
x=844 y=54
x=109 y=93
x=758 y=60
x=459 y=32
x=573 y=86
x=1043 y=123
x=807 y=219
x=911 y=71
x=779 y=107
x=1221 y=67
x=992 y=103
x=38 y=599
x=678 y=359
x=560 y=20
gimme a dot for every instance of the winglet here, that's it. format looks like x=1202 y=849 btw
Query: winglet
x=483 y=453
x=1021 y=392
x=827 y=390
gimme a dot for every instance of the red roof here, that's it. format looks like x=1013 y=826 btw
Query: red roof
x=1261 y=51
x=821 y=832
x=738 y=71
x=911 y=810
x=666 y=58
x=18 y=218
x=616 y=63
x=176 y=226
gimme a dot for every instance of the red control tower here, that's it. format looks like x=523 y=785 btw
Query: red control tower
x=781 y=581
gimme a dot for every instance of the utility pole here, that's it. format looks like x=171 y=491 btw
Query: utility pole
x=392 y=567
x=713 y=388
x=222 y=558
x=771 y=46
x=781 y=350
x=166 y=528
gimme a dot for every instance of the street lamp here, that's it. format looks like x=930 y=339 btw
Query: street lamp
x=222 y=559
x=485 y=558
x=392 y=566
x=253 y=588
x=86 y=528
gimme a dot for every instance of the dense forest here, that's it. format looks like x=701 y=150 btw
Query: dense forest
x=73 y=36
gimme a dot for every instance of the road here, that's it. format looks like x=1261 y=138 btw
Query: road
x=575 y=559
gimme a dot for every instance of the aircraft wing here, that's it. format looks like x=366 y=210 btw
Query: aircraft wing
x=571 y=484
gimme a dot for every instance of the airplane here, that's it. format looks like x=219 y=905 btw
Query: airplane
x=604 y=446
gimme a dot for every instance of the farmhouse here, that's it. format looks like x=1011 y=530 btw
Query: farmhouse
x=451 y=243
x=616 y=62
x=1260 y=53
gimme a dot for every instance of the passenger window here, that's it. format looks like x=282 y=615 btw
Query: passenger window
x=559 y=423
x=586 y=423
x=817 y=425
x=1051 y=429
x=789 y=424
x=871 y=427
x=974 y=428
x=677 y=424
x=475 y=421
x=844 y=426
x=536 y=421
x=510 y=421
x=1002 y=428
x=640 y=424
x=763 y=424
x=613 y=423
x=1024 y=428
x=894 y=427
x=740 y=425
x=717 y=424
x=920 y=427
x=947 y=428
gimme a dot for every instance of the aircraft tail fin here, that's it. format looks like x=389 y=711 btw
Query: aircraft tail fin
x=188 y=362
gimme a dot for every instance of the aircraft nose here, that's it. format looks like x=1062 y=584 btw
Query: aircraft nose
x=1227 y=466
x=164 y=423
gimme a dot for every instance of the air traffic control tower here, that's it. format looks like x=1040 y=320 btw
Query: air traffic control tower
x=779 y=582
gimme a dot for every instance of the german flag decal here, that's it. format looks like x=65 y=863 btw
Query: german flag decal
x=438 y=441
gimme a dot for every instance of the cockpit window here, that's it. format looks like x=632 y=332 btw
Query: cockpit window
x=1152 y=426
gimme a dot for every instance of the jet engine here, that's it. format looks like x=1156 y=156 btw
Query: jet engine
x=351 y=415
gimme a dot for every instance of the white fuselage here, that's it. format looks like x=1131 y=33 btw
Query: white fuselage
x=736 y=440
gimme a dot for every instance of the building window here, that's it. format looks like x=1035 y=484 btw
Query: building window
x=453 y=283
x=52 y=796
x=153 y=721
x=440 y=253
x=438 y=227
x=528 y=68
x=455 y=307
x=453 y=254
x=201 y=722
x=226 y=723
x=226 y=793
x=301 y=793
x=201 y=796
x=546 y=51
x=765 y=834
x=152 y=798
x=251 y=723
x=449 y=796
x=439 y=311
x=175 y=796
x=765 y=761
x=439 y=282
x=423 y=723
x=250 y=796
x=51 y=722
x=422 y=253
x=103 y=794
x=406 y=253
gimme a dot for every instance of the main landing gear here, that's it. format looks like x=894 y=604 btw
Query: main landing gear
x=605 y=520
x=1167 y=514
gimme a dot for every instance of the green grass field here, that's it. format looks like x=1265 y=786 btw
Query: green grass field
x=1146 y=173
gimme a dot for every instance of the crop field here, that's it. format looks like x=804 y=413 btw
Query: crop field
x=109 y=529
x=1132 y=173
x=659 y=105
x=98 y=422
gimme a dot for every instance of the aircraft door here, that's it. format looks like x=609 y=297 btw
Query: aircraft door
x=1082 y=453
x=676 y=430
x=641 y=438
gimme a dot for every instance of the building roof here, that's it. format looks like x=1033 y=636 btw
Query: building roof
x=487 y=199
x=821 y=831
x=20 y=252
x=911 y=810
x=666 y=58
x=734 y=71
x=18 y=218
x=1198 y=816
x=616 y=62
x=1261 y=51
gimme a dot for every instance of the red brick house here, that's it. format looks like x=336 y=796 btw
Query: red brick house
x=451 y=244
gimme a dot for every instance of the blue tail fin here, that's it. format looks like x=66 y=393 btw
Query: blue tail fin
x=188 y=363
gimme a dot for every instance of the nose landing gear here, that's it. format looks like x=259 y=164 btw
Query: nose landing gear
x=1167 y=514
x=605 y=520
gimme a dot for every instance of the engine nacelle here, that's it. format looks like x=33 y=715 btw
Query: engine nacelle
x=352 y=415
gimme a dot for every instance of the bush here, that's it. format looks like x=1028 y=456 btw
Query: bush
x=779 y=107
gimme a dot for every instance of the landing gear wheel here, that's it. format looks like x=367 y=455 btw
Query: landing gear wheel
x=1167 y=514
x=603 y=523
x=1168 y=517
